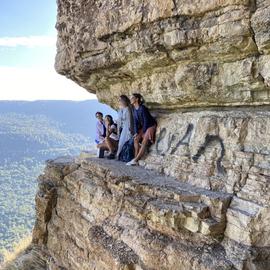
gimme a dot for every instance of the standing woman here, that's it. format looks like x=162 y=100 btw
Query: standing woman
x=144 y=127
x=125 y=122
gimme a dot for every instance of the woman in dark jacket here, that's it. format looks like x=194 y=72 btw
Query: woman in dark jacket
x=144 y=127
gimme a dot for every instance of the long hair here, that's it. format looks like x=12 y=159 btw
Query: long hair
x=126 y=101
x=139 y=97
x=109 y=117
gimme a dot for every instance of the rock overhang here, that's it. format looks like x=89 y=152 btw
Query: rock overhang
x=176 y=53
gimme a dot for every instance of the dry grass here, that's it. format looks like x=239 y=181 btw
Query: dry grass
x=18 y=248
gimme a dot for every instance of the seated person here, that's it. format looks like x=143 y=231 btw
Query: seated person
x=111 y=139
x=125 y=122
x=144 y=128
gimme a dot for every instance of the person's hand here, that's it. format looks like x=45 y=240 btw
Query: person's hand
x=135 y=135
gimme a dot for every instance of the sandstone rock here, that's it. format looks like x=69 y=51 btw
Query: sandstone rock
x=260 y=23
x=216 y=150
x=176 y=53
x=111 y=216
x=248 y=223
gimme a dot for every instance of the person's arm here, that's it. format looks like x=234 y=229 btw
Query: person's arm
x=120 y=121
x=146 y=118
x=136 y=122
x=108 y=131
x=113 y=129
x=100 y=130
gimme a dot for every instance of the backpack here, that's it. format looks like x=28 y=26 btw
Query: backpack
x=127 y=152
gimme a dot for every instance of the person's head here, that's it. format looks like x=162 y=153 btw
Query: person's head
x=99 y=115
x=108 y=120
x=124 y=101
x=136 y=99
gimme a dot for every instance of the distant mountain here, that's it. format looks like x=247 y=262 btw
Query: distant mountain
x=30 y=133
x=75 y=116
x=36 y=136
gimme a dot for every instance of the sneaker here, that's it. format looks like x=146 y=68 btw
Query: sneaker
x=133 y=162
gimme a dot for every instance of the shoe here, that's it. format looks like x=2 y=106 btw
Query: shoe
x=133 y=162
x=111 y=156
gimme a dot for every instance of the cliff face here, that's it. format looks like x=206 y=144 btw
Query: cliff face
x=200 y=199
x=100 y=214
x=176 y=53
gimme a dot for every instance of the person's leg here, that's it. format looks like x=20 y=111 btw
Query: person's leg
x=139 y=149
x=136 y=145
x=137 y=140
x=148 y=138
x=102 y=145
x=142 y=149
x=112 y=146
x=115 y=146
x=109 y=145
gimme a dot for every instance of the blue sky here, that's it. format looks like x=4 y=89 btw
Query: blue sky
x=27 y=17
x=27 y=51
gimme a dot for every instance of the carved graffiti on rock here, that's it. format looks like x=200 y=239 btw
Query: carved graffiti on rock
x=208 y=140
x=168 y=143
x=185 y=139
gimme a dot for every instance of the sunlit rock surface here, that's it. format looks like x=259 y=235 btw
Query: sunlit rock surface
x=111 y=216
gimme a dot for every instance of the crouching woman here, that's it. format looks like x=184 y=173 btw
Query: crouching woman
x=144 y=127
x=111 y=140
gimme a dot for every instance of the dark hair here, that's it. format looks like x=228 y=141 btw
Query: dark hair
x=110 y=119
x=126 y=100
x=139 y=97
x=99 y=113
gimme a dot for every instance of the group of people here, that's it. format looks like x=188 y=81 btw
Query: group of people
x=135 y=127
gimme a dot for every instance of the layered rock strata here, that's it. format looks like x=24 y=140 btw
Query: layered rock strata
x=111 y=216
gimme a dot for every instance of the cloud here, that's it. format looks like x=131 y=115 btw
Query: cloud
x=30 y=41
x=38 y=84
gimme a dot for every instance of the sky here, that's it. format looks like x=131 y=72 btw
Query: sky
x=27 y=51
